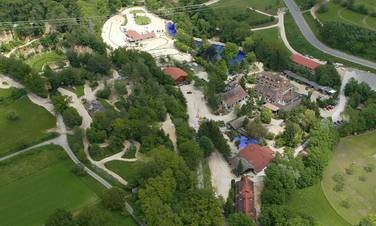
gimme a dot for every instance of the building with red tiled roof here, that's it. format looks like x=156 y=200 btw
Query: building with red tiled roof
x=305 y=62
x=245 y=197
x=253 y=158
x=177 y=74
x=233 y=96
x=134 y=36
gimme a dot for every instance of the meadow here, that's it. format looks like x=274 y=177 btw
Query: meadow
x=351 y=177
x=312 y=202
x=269 y=6
x=34 y=184
x=30 y=127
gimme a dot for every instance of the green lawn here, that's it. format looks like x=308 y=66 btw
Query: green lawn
x=142 y=20
x=312 y=202
x=300 y=44
x=34 y=184
x=78 y=90
x=269 y=6
x=355 y=152
x=38 y=61
x=127 y=170
x=116 y=218
x=270 y=35
x=31 y=126
x=135 y=11
x=340 y=14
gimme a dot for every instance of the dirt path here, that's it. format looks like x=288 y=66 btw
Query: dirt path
x=221 y=174
x=168 y=128
x=21 y=46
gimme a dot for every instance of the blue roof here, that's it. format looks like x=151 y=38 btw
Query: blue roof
x=171 y=29
x=244 y=141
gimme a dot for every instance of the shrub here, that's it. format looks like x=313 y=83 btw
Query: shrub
x=12 y=116
x=344 y=204
x=362 y=178
x=369 y=168
x=338 y=187
x=114 y=199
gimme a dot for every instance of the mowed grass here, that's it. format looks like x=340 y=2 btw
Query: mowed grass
x=355 y=152
x=127 y=170
x=312 y=202
x=338 y=13
x=38 y=61
x=271 y=36
x=36 y=183
x=142 y=20
x=30 y=128
x=268 y=6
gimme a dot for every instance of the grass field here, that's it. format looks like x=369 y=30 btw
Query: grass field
x=38 y=61
x=127 y=170
x=300 y=44
x=269 y=6
x=340 y=14
x=271 y=36
x=353 y=153
x=142 y=20
x=34 y=184
x=31 y=126
x=312 y=202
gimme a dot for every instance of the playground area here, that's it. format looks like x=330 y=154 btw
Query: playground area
x=150 y=34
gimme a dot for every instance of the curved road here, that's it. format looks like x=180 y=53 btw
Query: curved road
x=311 y=38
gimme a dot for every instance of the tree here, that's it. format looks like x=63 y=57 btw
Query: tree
x=239 y=167
x=211 y=130
x=207 y=145
x=60 y=103
x=256 y=130
x=292 y=136
x=60 y=218
x=120 y=87
x=71 y=117
x=230 y=51
x=266 y=115
x=114 y=199
x=93 y=216
x=240 y=219
x=191 y=153
x=248 y=44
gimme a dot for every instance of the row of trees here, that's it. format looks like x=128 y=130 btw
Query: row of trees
x=350 y=38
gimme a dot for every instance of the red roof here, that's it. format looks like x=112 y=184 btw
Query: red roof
x=138 y=37
x=175 y=73
x=306 y=62
x=258 y=156
x=245 y=201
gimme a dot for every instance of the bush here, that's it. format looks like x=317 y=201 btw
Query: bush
x=12 y=116
x=71 y=117
x=362 y=178
x=104 y=93
x=114 y=199
x=344 y=204
x=338 y=177
x=78 y=170
x=369 y=168
x=338 y=187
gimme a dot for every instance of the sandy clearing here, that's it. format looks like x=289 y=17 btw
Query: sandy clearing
x=221 y=174
x=168 y=128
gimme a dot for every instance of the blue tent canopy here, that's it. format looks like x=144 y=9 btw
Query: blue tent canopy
x=171 y=29
x=244 y=141
x=238 y=59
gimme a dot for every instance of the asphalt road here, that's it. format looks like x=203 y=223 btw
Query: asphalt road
x=311 y=38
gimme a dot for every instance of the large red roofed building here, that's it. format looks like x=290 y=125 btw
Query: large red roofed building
x=245 y=197
x=305 y=62
x=134 y=36
x=253 y=158
x=177 y=74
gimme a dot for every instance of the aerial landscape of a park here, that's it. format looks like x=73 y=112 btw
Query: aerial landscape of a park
x=187 y=112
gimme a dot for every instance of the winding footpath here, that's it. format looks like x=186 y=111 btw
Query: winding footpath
x=312 y=39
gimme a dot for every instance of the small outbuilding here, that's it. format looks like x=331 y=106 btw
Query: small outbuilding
x=305 y=62
x=177 y=74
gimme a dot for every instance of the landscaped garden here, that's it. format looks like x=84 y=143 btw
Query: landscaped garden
x=350 y=179
x=127 y=170
x=22 y=123
x=34 y=184
x=142 y=20
x=38 y=61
